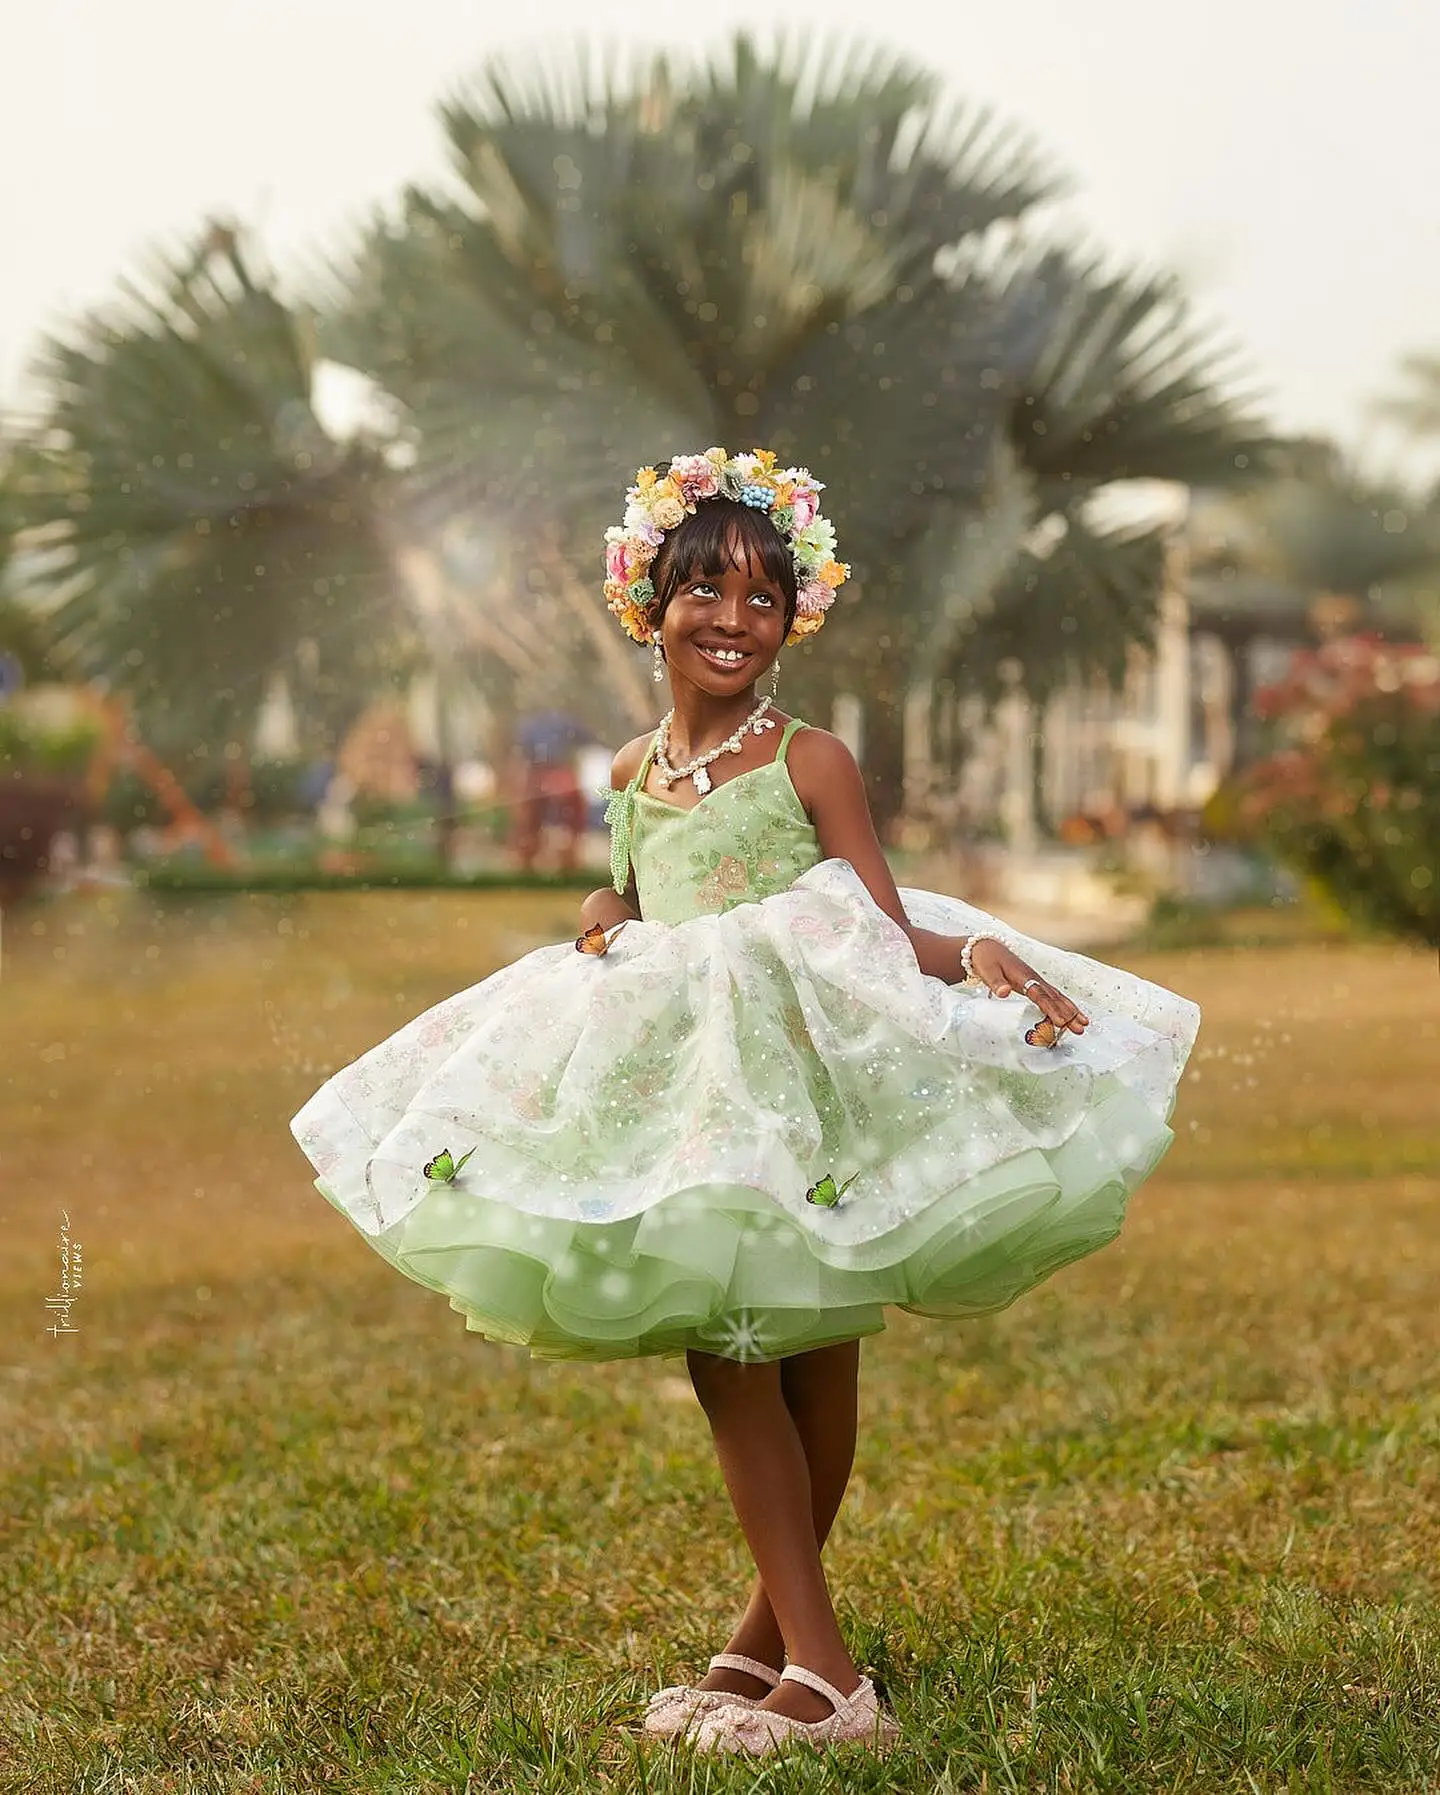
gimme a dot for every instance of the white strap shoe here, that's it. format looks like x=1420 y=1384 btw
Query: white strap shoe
x=671 y=1711
x=856 y=1719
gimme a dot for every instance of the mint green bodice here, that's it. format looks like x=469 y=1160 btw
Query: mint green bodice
x=745 y=840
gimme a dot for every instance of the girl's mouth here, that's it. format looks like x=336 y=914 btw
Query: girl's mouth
x=726 y=659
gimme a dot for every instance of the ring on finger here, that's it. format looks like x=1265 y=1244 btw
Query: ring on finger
x=1028 y=983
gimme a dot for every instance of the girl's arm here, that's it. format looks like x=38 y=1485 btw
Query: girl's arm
x=828 y=783
x=607 y=906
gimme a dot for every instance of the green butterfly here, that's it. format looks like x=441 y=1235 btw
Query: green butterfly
x=825 y=1194
x=442 y=1168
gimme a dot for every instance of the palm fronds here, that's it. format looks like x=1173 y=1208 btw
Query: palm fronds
x=200 y=520
x=1068 y=608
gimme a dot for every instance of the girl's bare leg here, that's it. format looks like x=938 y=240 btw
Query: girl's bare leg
x=785 y=1438
x=820 y=1390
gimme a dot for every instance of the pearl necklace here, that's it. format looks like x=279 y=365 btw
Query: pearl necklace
x=695 y=769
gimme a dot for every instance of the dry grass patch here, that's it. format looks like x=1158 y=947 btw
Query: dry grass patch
x=274 y=1522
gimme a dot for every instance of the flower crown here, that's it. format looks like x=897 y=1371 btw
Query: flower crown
x=658 y=503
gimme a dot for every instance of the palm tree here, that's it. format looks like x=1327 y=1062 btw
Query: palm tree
x=20 y=633
x=801 y=252
x=1126 y=388
x=193 y=525
x=1416 y=407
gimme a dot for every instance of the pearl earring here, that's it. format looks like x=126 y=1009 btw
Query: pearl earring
x=775 y=677
x=657 y=662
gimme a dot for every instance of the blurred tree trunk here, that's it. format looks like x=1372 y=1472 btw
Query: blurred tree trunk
x=884 y=749
x=34 y=808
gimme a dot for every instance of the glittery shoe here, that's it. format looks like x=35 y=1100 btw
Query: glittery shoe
x=757 y=1732
x=671 y=1711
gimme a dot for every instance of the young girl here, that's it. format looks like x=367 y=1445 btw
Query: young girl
x=770 y=1095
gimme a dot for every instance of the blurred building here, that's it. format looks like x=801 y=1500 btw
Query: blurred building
x=1157 y=746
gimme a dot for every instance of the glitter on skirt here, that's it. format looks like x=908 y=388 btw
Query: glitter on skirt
x=646 y=1124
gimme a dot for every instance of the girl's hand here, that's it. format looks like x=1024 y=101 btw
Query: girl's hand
x=606 y=907
x=1004 y=972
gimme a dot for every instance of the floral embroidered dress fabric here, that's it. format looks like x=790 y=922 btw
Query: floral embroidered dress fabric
x=646 y=1124
x=754 y=843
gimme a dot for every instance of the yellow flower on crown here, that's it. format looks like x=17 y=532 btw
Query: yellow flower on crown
x=660 y=502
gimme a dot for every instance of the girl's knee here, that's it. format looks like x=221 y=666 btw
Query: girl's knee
x=718 y=1381
x=822 y=1374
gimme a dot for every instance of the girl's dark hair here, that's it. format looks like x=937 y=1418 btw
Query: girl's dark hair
x=722 y=533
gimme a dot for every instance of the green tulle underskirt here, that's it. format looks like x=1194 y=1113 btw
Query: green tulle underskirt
x=720 y=1269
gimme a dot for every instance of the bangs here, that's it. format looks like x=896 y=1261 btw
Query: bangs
x=724 y=533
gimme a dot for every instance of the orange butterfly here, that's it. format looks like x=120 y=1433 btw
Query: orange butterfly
x=1045 y=1033
x=595 y=940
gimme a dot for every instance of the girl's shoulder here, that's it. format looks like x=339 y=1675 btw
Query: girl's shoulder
x=819 y=755
x=626 y=763
x=823 y=772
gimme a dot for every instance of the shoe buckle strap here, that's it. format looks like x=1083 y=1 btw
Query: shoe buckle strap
x=751 y=1666
x=842 y=1704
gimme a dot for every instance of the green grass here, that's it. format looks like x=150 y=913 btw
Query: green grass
x=274 y=1522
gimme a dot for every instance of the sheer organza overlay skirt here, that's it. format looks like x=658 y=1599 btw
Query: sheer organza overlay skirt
x=646 y=1126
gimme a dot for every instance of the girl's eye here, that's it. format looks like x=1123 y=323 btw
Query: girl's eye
x=703 y=589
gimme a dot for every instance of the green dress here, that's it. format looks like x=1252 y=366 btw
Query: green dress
x=747 y=839
x=653 y=1130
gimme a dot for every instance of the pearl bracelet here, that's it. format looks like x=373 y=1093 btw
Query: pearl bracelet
x=967 y=971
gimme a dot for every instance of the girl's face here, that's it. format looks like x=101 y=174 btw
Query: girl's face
x=722 y=629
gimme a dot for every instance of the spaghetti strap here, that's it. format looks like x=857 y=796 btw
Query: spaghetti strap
x=790 y=728
x=639 y=778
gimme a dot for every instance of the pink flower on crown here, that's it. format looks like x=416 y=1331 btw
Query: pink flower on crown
x=806 y=505
x=813 y=599
x=617 y=561
x=696 y=476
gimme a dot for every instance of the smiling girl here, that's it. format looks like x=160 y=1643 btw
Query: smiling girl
x=773 y=1095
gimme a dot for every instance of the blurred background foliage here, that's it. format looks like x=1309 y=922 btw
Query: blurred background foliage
x=816 y=249
x=813 y=249
x=820 y=252
x=195 y=528
x=1351 y=796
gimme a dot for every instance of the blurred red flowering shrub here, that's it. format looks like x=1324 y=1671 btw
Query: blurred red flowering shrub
x=1351 y=800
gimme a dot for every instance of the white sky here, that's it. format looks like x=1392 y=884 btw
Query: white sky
x=1282 y=155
